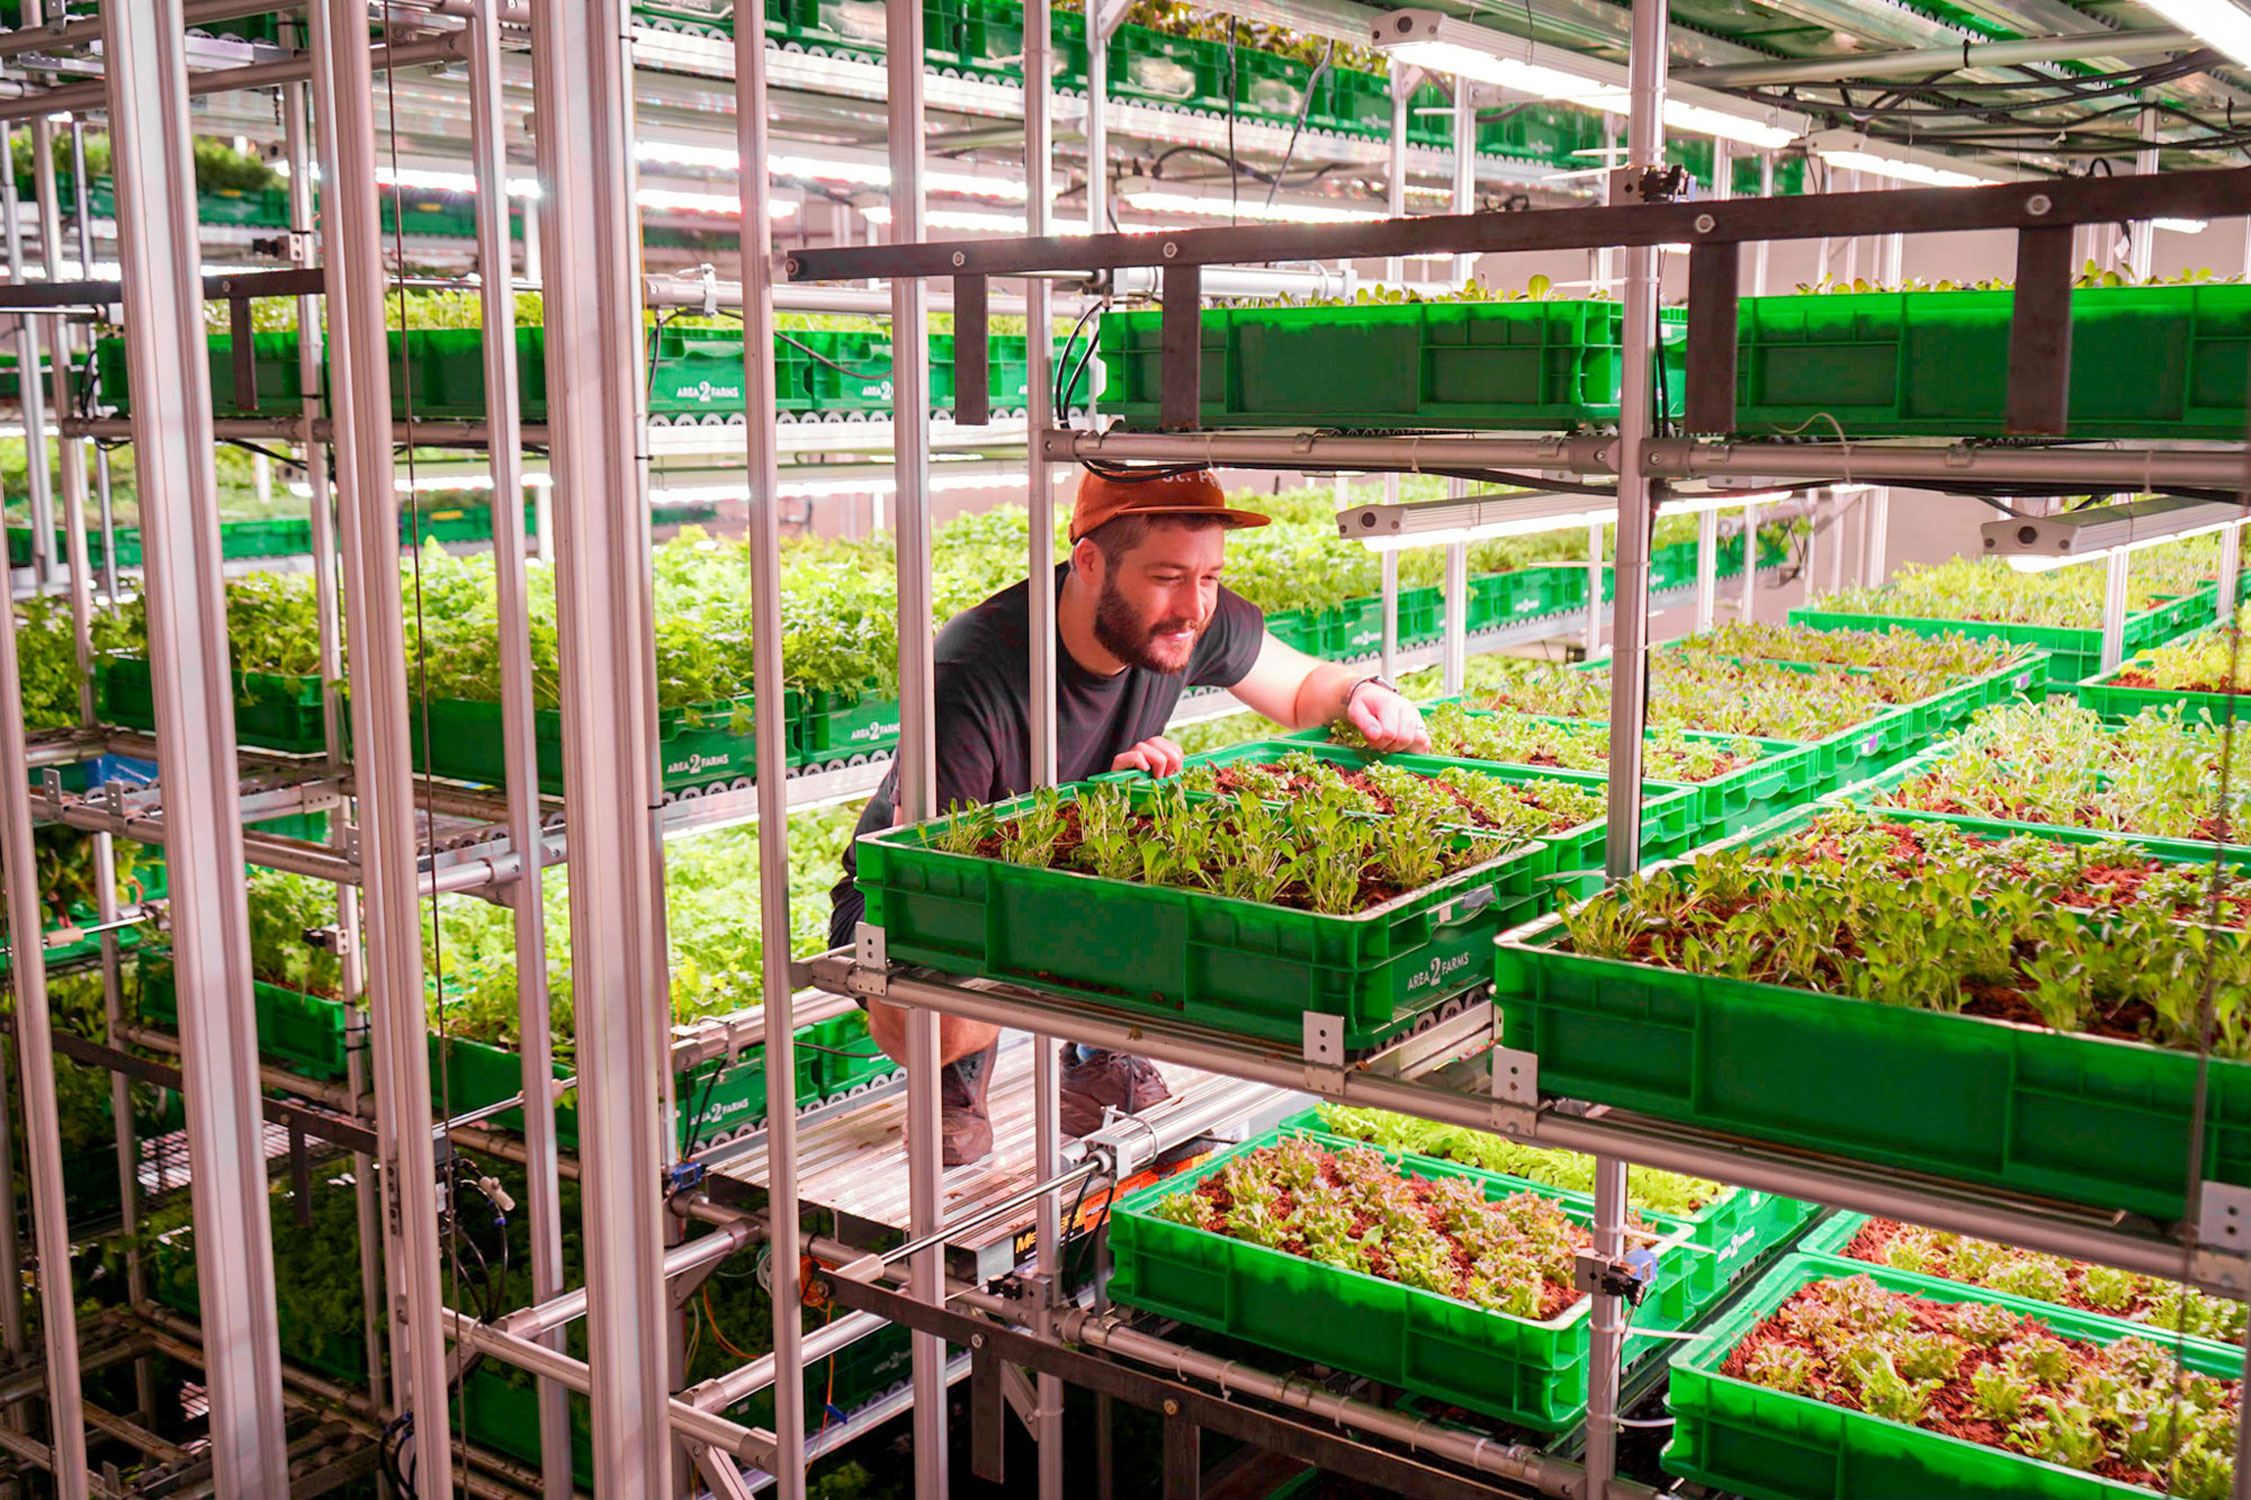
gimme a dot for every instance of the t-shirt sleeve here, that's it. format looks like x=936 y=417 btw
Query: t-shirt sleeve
x=1231 y=645
x=968 y=732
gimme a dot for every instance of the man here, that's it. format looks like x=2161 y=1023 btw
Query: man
x=1140 y=614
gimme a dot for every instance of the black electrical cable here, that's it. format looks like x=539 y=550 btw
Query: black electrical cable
x=1248 y=169
x=1305 y=108
x=1063 y=1229
x=1065 y=389
x=703 y=1107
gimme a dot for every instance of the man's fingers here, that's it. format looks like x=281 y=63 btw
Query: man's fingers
x=1166 y=757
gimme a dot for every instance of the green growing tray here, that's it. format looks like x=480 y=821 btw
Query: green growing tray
x=2083 y=1119
x=852 y=1062
x=700 y=747
x=339 y=1358
x=1497 y=599
x=1354 y=628
x=1236 y=966
x=2115 y=703
x=1671 y=815
x=2074 y=647
x=271 y=710
x=1727 y=1237
x=1864 y=794
x=1299 y=629
x=306 y=1033
x=1516 y=1369
x=1765 y=1444
x=1937 y=363
x=833 y=729
x=1530 y=365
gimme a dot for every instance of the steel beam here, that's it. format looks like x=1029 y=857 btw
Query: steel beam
x=57 y=36
x=232 y=286
x=33 y=399
x=188 y=653
x=606 y=617
x=2208 y=195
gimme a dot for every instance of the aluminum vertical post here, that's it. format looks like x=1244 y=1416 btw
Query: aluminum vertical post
x=71 y=452
x=83 y=214
x=360 y=387
x=1454 y=650
x=496 y=278
x=1047 y=1119
x=1404 y=77
x=1590 y=636
x=1834 y=555
x=1875 y=533
x=598 y=422
x=1629 y=662
x=1749 y=608
x=1465 y=164
x=1759 y=248
x=376 y=1241
x=162 y=292
x=2115 y=572
x=2231 y=563
x=33 y=399
x=121 y=1112
x=1708 y=568
x=1388 y=653
x=917 y=760
x=1097 y=131
x=2142 y=234
x=762 y=476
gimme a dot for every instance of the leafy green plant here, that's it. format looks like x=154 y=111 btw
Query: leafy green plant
x=2166 y=1306
x=1455 y=796
x=2124 y=1410
x=1571 y=745
x=1988 y=589
x=2209 y=662
x=1353 y=1209
x=1717 y=694
x=1647 y=1188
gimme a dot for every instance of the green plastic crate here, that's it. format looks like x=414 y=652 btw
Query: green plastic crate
x=1516 y=1369
x=1727 y=1237
x=839 y=729
x=340 y=1358
x=280 y=389
x=2105 y=696
x=1864 y=795
x=1936 y=363
x=1671 y=815
x=1236 y=966
x=2083 y=1119
x=701 y=747
x=271 y=710
x=1532 y=365
x=1497 y=599
x=1354 y=628
x=467 y=1075
x=849 y=1061
x=305 y=1033
x=1765 y=1444
x=2071 y=645
x=1299 y=629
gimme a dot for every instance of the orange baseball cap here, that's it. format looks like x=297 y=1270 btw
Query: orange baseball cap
x=1192 y=493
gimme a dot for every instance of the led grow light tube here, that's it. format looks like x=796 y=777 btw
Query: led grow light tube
x=2036 y=544
x=2221 y=22
x=1853 y=152
x=1281 y=211
x=1459 y=48
x=1439 y=523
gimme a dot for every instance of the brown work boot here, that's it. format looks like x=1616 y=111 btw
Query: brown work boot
x=965 y=1124
x=1116 y=1080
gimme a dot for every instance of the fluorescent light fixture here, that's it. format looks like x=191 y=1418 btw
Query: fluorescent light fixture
x=1459 y=48
x=1159 y=201
x=1852 y=151
x=432 y=181
x=2221 y=22
x=679 y=200
x=2035 y=544
x=2179 y=226
x=974 y=220
x=1441 y=523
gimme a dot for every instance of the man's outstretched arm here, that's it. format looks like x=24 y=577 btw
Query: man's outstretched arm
x=1298 y=691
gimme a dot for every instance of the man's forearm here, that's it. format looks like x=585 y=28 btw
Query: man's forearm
x=1322 y=696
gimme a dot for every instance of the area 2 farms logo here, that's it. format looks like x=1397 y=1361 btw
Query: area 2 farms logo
x=1437 y=972
x=705 y=393
x=696 y=763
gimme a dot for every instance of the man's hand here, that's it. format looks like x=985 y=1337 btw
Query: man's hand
x=1158 y=756
x=1389 y=721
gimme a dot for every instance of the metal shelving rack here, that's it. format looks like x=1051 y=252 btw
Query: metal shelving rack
x=636 y=1207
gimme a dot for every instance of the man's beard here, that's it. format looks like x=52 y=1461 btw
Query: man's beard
x=1122 y=634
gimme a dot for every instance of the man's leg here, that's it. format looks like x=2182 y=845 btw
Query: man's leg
x=1095 y=1079
x=967 y=1053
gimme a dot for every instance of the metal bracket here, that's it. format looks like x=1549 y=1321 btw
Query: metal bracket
x=871 y=965
x=1324 y=1053
x=1473 y=1029
x=1516 y=1091
x=721 y=1472
x=1648 y=184
x=2223 y=1218
x=1016 y=1389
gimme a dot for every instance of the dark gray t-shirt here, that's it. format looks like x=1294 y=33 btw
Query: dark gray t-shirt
x=983 y=706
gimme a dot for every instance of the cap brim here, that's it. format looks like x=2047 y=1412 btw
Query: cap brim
x=1232 y=520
